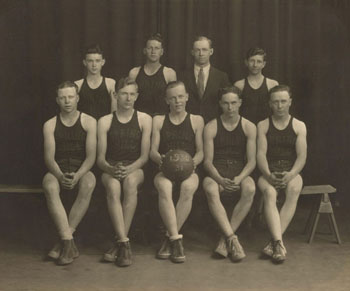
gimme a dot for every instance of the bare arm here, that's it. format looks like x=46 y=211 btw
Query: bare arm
x=134 y=72
x=156 y=127
x=301 y=151
x=103 y=126
x=250 y=131
x=169 y=75
x=239 y=84
x=89 y=124
x=198 y=125
x=50 y=149
x=110 y=83
x=79 y=83
x=262 y=148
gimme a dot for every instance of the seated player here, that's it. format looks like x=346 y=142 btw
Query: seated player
x=123 y=149
x=152 y=78
x=281 y=156
x=229 y=151
x=176 y=130
x=69 y=153
x=96 y=91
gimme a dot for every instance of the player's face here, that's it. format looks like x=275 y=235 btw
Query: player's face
x=67 y=99
x=280 y=102
x=176 y=98
x=153 y=50
x=255 y=64
x=201 y=52
x=230 y=103
x=127 y=96
x=94 y=63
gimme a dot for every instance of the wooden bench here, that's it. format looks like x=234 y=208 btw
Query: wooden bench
x=322 y=206
x=34 y=189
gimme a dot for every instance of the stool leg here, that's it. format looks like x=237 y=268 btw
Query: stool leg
x=314 y=228
x=334 y=224
x=310 y=219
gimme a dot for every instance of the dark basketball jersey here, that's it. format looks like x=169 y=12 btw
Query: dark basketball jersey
x=179 y=136
x=95 y=102
x=70 y=141
x=151 y=92
x=124 y=139
x=281 y=143
x=255 y=102
x=230 y=144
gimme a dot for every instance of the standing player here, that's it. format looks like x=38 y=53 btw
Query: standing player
x=203 y=81
x=176 y=130
x=123 y=149
x=229 y=150
x=69 y=153
x=96 y=92
x=255 y=87
x=281 y=156
x=152 y=78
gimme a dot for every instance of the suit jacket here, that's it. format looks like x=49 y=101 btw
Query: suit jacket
x=208 y=105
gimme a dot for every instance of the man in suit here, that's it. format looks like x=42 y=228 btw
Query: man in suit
x=203 y=81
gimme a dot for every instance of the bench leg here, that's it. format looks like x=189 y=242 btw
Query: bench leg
x=335 y=228
x=314 y=226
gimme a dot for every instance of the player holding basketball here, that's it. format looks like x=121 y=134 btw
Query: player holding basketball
x=229 y=150
x=96 y=92
x=123 y=149
x=152 y=78
x=176 y=130
x=281 y=156
x=69 y=153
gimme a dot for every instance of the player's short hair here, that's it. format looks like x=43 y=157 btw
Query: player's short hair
x=255 y=51
x=202 y=37
x=279 y=88
x=123 y=82
x=229 y=89
x=93 y=49
x=156 y=36
x=67 y=84
x=174 y=84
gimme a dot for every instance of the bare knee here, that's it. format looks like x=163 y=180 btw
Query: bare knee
x=88 y=182
x=211 y=189
x=248 y=190
x=270 y=195
x=50 y=185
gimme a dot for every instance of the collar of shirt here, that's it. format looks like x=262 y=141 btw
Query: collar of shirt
x=205 y=71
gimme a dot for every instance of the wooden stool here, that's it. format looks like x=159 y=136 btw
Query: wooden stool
x=323 y=205
x=33 y=189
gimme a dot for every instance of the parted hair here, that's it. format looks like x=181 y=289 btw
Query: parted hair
x=229 y=89
x=123 y=82
x=67 y=84
x=255 y=51
x=93 y=49
x=279 y=88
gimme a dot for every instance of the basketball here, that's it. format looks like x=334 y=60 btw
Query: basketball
x=177 y=165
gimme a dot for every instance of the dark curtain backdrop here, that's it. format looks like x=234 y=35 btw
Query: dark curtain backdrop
x=307 y=44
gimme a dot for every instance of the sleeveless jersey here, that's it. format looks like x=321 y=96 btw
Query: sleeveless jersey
x=255 y=102
x=151 y=92
x=179 y=136
x=124 y=139
x=230 y=144
x=95 y=102
x=70 y=141
x=281 y=143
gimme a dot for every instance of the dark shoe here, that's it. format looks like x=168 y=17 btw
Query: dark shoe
x=165 y=250
x=55 y=251
x=67 y=254
x=221 y=248
x=111 y=254
x=177 y=251
x=279 y=252
x=235 y=249
x=124 y=254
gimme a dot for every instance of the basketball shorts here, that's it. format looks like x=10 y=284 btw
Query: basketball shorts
x=229 y=168
x=69 y=165
x=280 y=165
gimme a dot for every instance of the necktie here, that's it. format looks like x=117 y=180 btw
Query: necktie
x=200 y=83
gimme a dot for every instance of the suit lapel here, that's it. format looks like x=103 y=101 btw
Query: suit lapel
x=209 y=83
